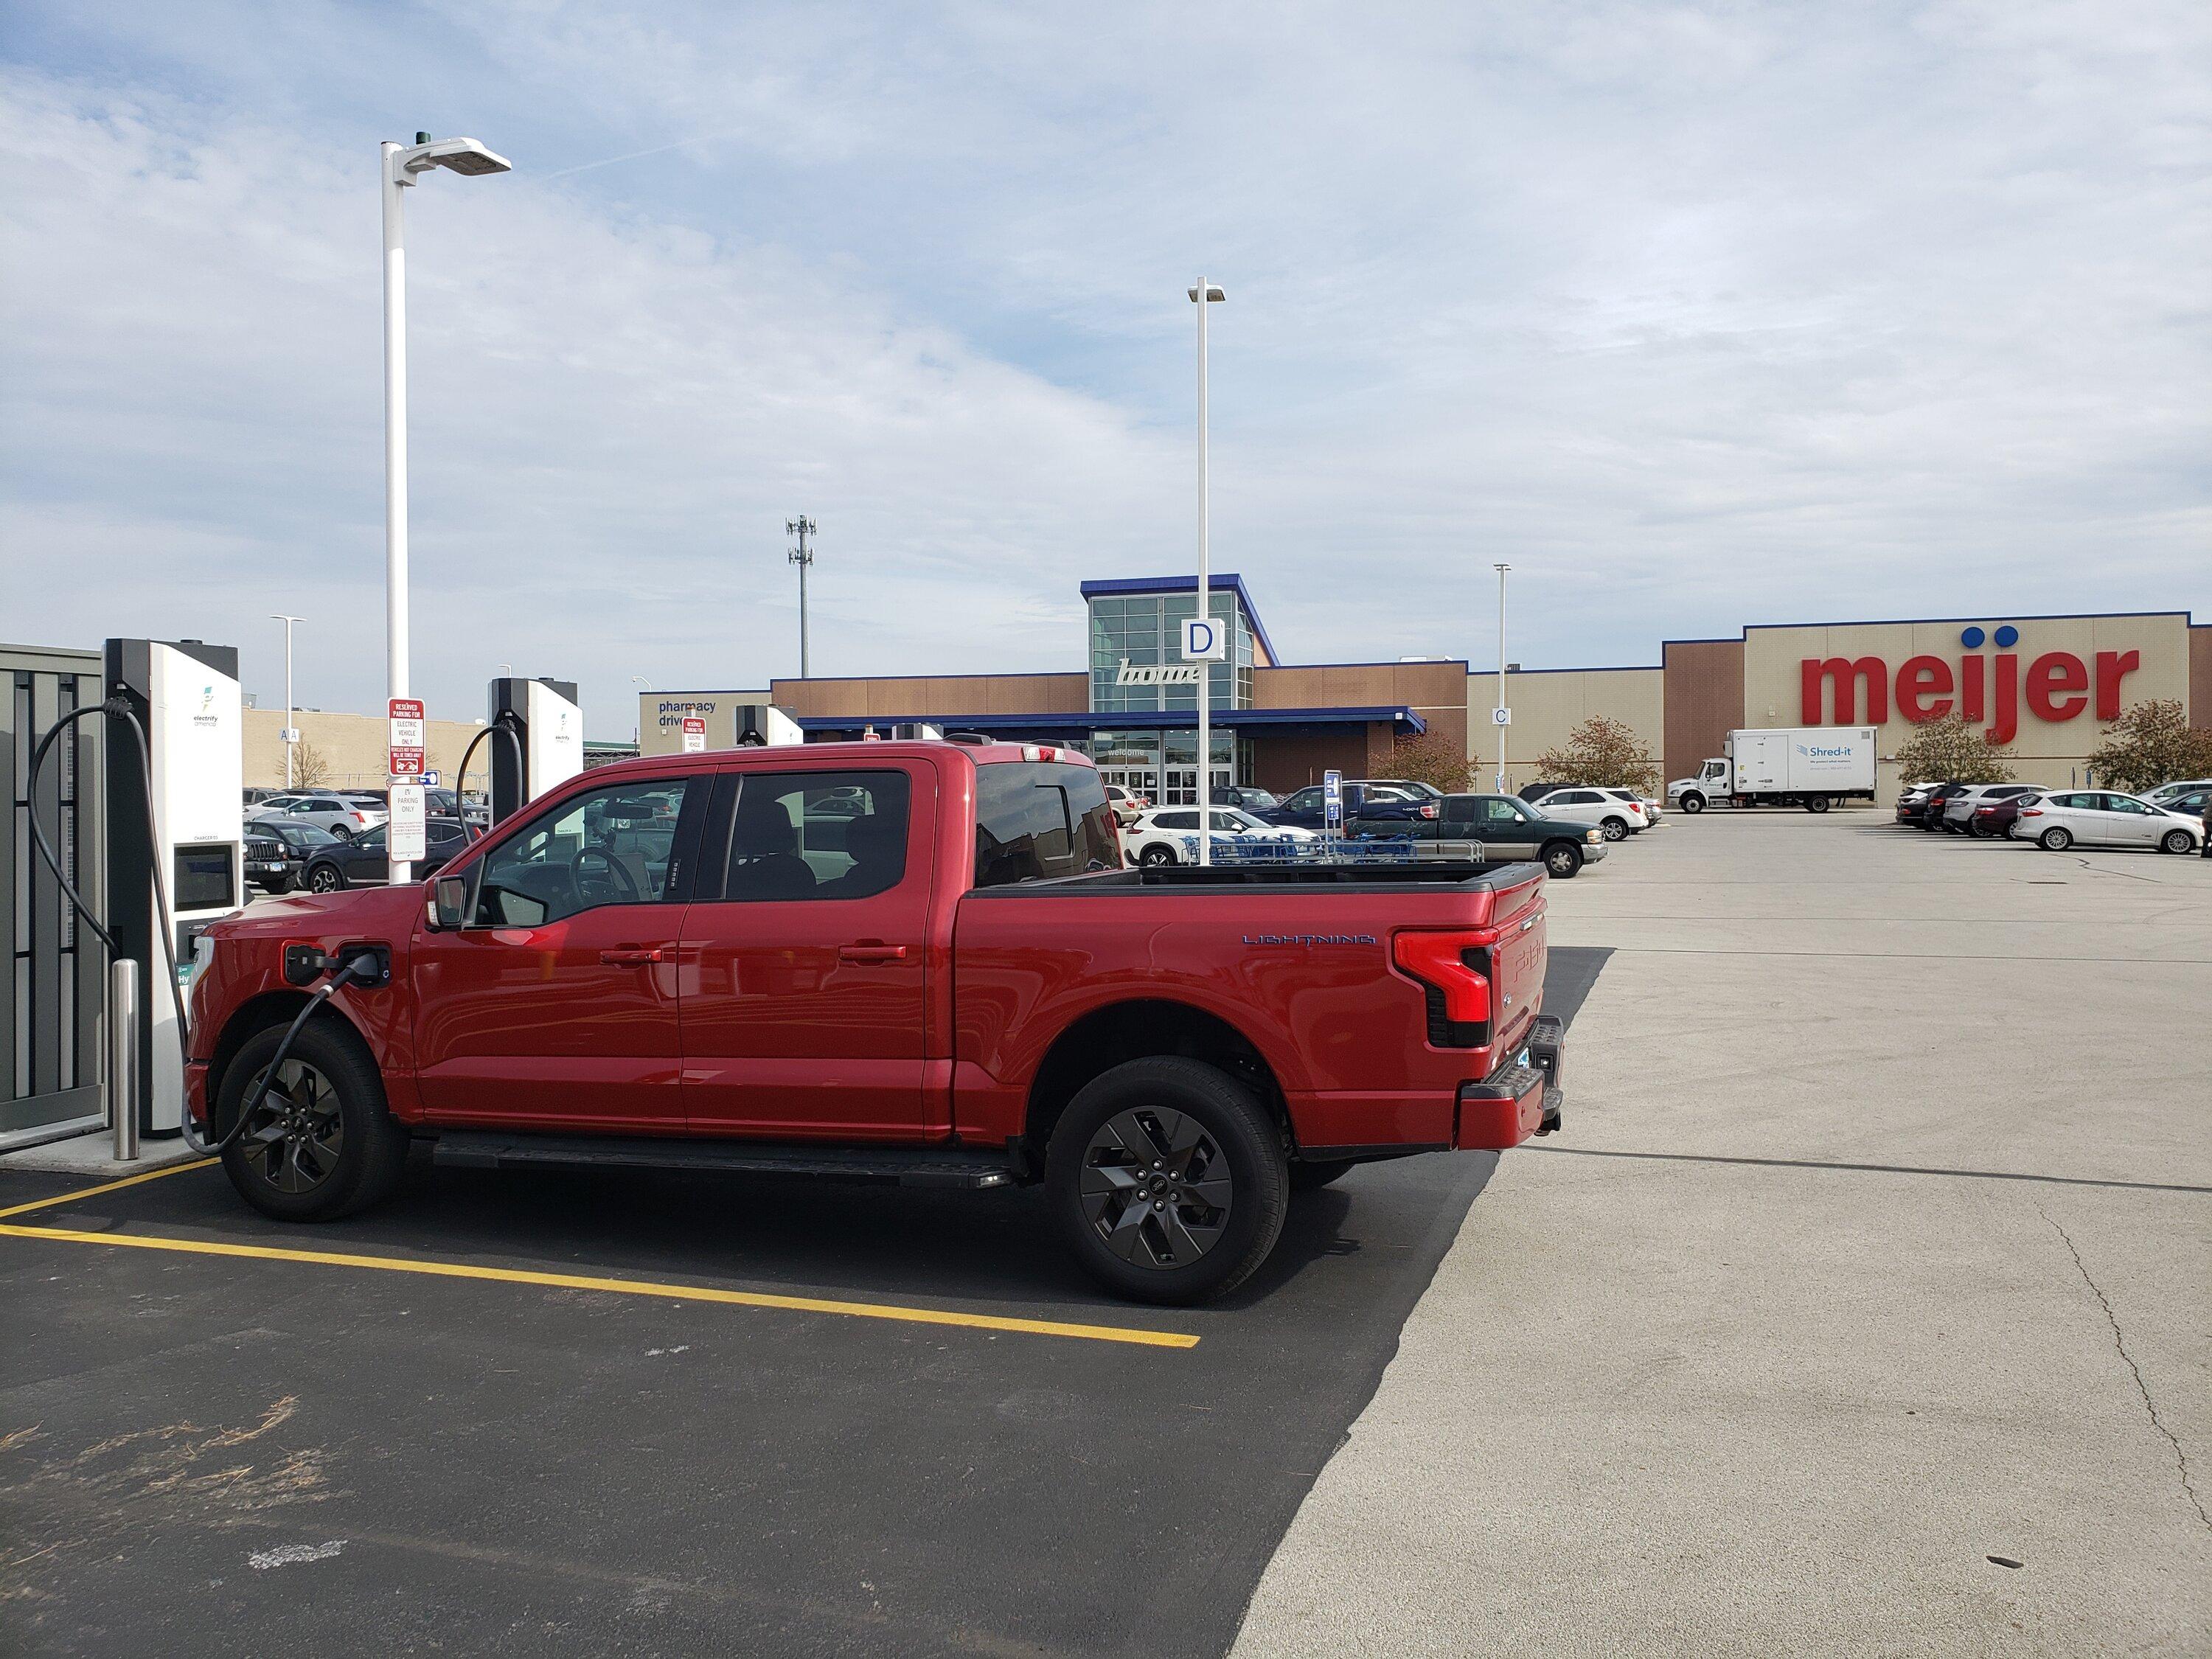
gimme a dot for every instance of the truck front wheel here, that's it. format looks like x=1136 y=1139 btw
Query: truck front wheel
x=1167 y=1181
x=320 y=1143
x=1693 y=803
x=1563 y=858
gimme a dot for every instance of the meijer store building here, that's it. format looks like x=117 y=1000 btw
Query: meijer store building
x=2045 y=686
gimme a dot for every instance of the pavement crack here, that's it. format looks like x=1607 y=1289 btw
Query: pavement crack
x=2119 y=1342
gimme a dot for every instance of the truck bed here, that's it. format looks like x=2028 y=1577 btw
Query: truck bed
x=1468 y=877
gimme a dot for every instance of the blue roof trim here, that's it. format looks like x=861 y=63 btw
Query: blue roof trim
x=1150 y=720
x=1215 y=581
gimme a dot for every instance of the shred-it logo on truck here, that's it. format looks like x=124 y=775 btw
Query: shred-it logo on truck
x=1818 y=756
x=2058 y=686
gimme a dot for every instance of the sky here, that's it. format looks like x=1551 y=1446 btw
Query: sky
x=1698 y=316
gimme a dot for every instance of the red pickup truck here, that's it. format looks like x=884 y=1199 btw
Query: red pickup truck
x=914 y=961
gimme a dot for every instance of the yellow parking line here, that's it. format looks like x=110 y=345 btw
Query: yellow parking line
x=618 y=1286
x=108 y=1187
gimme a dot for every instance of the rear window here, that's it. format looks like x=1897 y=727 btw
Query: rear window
x=1039 y=818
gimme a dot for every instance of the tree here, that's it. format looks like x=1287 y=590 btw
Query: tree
x=2151 y=744
x=1949 y=751
x=1601 y=753
x=1431 y=758
x=309 y=768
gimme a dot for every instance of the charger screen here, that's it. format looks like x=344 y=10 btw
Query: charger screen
x=205 y=878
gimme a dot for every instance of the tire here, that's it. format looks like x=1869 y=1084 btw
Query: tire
x=1693 y=804
x=325 y=878
x=1614 y=829
x=1563 y=861
x=1816 y=803
x=1215 y=1147
x=2178 y=841
x=1157 y=856
x=1312 y=1177
x=325 y=1147
x=343 y=831
x=2055 y=840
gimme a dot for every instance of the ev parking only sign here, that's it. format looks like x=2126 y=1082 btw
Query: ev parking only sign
x=407 y=828
x=694 y=735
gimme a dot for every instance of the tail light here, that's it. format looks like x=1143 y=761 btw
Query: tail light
x=1453 y=969
x=1428 y=809
x=2031 y=811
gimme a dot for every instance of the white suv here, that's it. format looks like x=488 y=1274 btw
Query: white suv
x=1616 y=812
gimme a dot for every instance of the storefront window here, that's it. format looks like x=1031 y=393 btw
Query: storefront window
x=1144 y=631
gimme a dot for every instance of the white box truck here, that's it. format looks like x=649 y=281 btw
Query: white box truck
x=1813 y=767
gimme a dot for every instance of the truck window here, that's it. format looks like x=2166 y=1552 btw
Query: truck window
x=1041 y=818
x=609 y=846
x=817 y=835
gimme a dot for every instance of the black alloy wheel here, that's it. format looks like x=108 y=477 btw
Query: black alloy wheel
x=325 y=878
x=1167 y=1180
x=1563 y=861
x=294 y=1137
x=1155 y=856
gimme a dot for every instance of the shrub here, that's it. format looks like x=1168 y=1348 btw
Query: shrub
x=1951 y=751
x=1601 y=753
x=2151 y=744
x=1431 y=758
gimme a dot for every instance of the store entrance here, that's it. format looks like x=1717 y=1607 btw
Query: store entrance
x=1142 y=782
x=1182 y=784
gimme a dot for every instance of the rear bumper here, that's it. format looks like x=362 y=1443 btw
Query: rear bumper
x=1522 y=1098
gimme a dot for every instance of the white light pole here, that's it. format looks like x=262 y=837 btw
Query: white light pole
x=289 y=743
x=1497 y=726
x=1203 y=295
x=402 y=166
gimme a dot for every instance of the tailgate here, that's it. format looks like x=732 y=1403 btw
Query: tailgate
x=1518 y=958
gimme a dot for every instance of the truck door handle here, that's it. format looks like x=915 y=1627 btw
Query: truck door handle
x=631 y=956
x=871 y=953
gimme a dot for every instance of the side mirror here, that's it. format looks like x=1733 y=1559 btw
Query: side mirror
x=449 y=902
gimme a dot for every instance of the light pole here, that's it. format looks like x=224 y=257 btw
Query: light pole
x=640 y=679
x=1497 y=724
x=402 y=165
x=802 y=555
x=1203 y=295
x=291 y=740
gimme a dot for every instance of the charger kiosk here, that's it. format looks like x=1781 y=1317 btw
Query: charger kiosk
x=185 y=693
x=763 y=726
x=545 y=716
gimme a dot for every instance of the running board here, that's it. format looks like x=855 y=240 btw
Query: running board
x=905 y=1166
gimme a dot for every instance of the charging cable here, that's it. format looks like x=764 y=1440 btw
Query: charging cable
x=505 y=726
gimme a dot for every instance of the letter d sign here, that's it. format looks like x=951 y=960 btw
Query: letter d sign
x=1203 y=640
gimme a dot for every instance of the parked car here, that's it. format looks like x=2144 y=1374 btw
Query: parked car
x=1913 y=802
x=362 y=861
x=1538 y=791
x=1958 y=811
x=1169 y=1055
x=2173 y=797
x=277 y=851
x=343 y=816
x=1365 y=798
x=2190 y=804
x=1167 y=834
x=2105 y=818
x=1937 y=801
x=1616 y=812
x=1999 y=818
x=442 y=802
x=1507 y=830
x=1127 y=804
x=1246 y=796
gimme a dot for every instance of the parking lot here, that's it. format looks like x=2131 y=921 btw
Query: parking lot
x=1874 y=1249
x=1877 y=1246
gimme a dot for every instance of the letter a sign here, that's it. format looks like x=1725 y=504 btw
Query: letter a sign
x=1205 y=640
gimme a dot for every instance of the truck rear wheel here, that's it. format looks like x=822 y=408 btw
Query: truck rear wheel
x=1167 y=1181
x=1816 y=803
x=320 y=1142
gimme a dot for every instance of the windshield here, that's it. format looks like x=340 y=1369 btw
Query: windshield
x=1260 y=798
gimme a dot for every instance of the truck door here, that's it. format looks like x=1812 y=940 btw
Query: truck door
x=804 y=955
x=555 y=1006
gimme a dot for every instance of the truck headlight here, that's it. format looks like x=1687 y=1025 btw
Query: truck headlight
x=1593 y=835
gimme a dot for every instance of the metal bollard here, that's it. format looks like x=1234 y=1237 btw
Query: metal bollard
x=123 y=1058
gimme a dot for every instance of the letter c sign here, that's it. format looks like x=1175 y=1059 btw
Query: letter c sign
x=1203 y=640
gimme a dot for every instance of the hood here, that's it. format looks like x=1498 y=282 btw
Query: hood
x=390 y=911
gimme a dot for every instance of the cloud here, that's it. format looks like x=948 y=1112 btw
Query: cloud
x=1696 y=317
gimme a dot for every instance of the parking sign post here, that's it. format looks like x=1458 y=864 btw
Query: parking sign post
x=1332 y=804
x=405 y=765
x=1203 y=295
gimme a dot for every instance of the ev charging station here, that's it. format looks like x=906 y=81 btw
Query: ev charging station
x=763 y=726
x=549 y=725
x=186 y=695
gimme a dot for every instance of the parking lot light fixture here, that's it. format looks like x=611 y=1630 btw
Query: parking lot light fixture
x=1203 y=295
x=402 y=166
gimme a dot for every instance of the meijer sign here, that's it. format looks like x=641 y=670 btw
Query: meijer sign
x=2057 y=686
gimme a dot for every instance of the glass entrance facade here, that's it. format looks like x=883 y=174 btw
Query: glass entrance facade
x=1136 y=652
